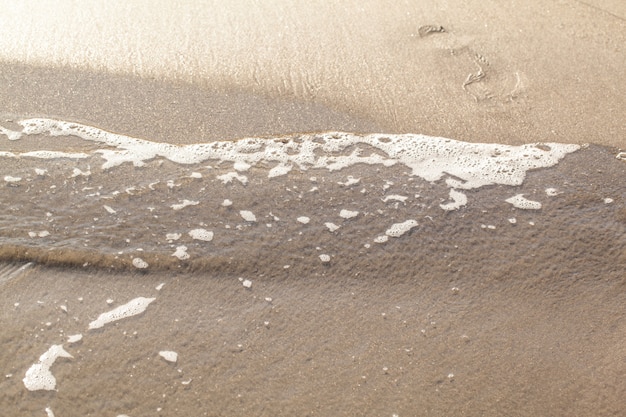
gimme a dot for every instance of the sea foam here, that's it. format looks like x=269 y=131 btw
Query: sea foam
x=464 y=165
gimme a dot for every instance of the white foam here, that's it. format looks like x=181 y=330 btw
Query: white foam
x=395 y=197
x=140 y=263
x=331 y=226
x=160 y=286
x=458 y=200
x=43 y=233
x=230 y=176
x=201 y=234
x=303 y=219
x=227 y=203
x=381 y=239
x=11 y=179
x=241 y=166
x=49 y=412
x=520 y=202
x=79 y=173
x=608 y=200
x=10 y=134
x=38 y=376
x=109 y=209
x=132 y=308
x=325 y=258
x=75 y=338
x=467 y=165
x=248 y=216
x=348 y=214
x=398 y=229
x=172 y=236
x=195 y=175
x=181 y=253
x=278 y=170
x=350 y=181
x=551 y=192
x=246 y=283
x=41 y=172
x=184 y=204
x=169 y=355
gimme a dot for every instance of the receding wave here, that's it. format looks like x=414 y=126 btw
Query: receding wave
x=76 y=195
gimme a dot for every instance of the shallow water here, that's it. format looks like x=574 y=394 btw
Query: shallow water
x=389 y=284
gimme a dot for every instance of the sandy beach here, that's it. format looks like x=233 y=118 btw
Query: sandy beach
x=485 y=310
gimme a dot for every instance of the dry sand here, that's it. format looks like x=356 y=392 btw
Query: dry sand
x=522 y=320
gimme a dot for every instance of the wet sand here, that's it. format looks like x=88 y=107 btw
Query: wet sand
x=469 y=314
x=457 y=319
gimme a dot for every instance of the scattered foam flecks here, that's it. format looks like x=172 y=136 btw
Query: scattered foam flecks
x=331 y=226
x=38 y=376
x=520 y=202
x=132 y=308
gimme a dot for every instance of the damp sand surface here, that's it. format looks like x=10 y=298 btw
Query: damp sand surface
x=349 y=283
x=468 y=312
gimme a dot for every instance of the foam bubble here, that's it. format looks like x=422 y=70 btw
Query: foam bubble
x=12 y=180
x=79 y=173
x=184 y=204
x=181 y=253
x=10 y=134
x=227 y=203
x=49 y=412
x=348 y=214
x=398 y=229
x=75 y=338
x=395 y=197
x=140 y=263
x=172 y=236
x=109 y=209
x=325 y=258
x=132 y=308
x=458 y=200
x=350 y=181
x=381 y=239
x=169 y=355
x=38 y=376
x=230 y=176
x=248 y=215
x=331 y=226
x=201 y=234
x=520 y=202
x=303 y=219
